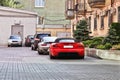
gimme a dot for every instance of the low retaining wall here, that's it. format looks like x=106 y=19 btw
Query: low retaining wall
x=103 y=54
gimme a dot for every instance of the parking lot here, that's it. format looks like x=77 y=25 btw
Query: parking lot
x=21 y=63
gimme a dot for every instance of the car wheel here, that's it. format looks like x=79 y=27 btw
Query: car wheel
x=81 y=57
x=39 y=52
x=8 y=45
x=35 y=48
x=32 y=48
x=52 y=57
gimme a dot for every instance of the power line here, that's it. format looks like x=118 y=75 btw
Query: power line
x=54 y=20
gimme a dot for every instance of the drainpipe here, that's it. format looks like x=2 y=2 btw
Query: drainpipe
x=112 y=1
x=84 y=9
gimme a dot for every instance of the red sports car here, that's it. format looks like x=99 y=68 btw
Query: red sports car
x=66 y=47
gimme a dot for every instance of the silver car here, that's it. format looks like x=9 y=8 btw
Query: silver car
x=44 y=44
x=14 y=40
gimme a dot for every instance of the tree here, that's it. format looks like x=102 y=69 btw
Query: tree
x=11 y=3
x=82 y=32
x=113 y=34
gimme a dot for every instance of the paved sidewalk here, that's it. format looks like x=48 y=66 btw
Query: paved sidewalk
x=20 y=63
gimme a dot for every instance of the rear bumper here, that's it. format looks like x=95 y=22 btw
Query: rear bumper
x=43 y=49
x=68 y=52
x=15 y=44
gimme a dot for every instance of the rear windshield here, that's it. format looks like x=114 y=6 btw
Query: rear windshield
x=15 y=37
x=65 y=40
x=49 y=39
x=42 y=35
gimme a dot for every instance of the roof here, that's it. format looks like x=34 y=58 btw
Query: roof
x=7 y=9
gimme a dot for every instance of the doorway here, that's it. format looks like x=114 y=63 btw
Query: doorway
x=17 y=30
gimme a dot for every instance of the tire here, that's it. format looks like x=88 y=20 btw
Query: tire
x=39 y=52
x=35 y=48
x=32 y=48
x=81 y=57
x=8 y=45
x=52 y=57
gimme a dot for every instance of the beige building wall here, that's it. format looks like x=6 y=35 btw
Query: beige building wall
x=97 y=13
x=55 y=30
x=10 y=17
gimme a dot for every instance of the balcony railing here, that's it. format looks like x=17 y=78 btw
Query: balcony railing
x=96 y=3
x=81 y=8
x=69 y=9
x=70 y=14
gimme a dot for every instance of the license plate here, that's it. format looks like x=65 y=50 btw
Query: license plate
x=68 y=46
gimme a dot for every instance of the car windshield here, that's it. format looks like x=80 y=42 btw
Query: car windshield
x=49 y=39
x=42 y=35
x=67 y=40
x=15 y=37
x=31 y=37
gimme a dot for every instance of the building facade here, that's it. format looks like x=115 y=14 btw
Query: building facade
x=51 y=17
x=16 y=22
x=99 y=14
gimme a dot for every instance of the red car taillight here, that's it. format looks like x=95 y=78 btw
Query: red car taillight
x=81 y=45
x=55 y=46
x=43 y=44
x=28 y=40
x=36 y=39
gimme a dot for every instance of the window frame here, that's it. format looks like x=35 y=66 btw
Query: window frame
x=102 y=22
x=39 y=3
x=95 y=23
x=119 y=14
x=109 y=18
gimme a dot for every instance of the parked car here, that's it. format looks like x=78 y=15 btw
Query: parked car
x=14 y=40
x=44 y=45
x=66 y=47
x=29 y=40
x=37 y=39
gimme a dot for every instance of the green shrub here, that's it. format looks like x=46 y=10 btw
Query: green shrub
x=87 y=43
x=93 y=42
x=116 y=47
x=93 y=45
x=113 y=34
x=96 y=41
x=108 y=46
x=101 y=47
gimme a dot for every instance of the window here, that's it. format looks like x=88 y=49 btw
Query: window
x=95 y=23
x=39 y=3
x=89 y=23
x=109 y=18
x=118 y=14
x=102 y=22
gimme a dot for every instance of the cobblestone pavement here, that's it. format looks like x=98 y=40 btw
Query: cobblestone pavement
x=20 y=63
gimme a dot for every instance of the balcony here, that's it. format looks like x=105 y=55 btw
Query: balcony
x=69 y=9
x=96 y=3
x=70 y=14
x=81 y=8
